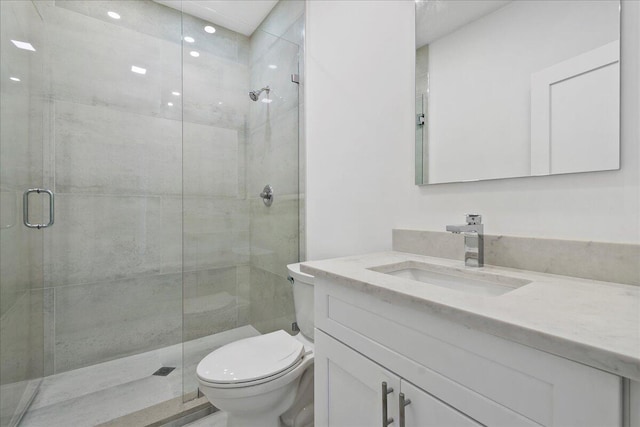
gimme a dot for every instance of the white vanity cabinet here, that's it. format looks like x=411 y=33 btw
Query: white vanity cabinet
x=356 y=397
x=453 y=375
x=351 y=386
x=425 y=410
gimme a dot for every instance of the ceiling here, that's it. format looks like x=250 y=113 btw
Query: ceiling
x=436 y=18
x=242 y=16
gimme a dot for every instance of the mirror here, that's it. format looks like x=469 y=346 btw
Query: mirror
x=516 y=88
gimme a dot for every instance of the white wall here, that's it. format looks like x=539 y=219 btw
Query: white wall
x=360 y=95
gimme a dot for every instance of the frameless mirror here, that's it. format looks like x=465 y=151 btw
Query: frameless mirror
x=516 y=88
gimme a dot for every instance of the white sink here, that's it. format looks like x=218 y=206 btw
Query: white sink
x=457 y=279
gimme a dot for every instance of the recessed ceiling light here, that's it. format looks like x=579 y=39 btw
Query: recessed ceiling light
x=113 y=15
x=15 y=79
x=170 y=104
x=220 y=103
x=194 y=53
x=189 y=39
x=273 y=66
x=23 y=45
x=175 y=93
x=138 y=70
x=209 y=29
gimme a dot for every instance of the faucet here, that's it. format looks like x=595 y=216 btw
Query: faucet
x=473 y=232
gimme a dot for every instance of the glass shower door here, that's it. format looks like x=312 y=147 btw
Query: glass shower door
x=96 y=117
x=236 y=247
x=21 y=247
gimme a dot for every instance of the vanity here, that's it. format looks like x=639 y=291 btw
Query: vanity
x=411 y=340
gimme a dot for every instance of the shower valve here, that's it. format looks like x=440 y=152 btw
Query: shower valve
x=267 y=195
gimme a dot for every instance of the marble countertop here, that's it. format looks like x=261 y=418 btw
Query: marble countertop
x=591 y=322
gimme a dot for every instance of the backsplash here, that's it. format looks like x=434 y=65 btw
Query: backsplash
x=609 y=262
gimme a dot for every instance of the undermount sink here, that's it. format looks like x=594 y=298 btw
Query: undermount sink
x=463 y=280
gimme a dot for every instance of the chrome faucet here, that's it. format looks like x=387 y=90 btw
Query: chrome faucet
x=473 y=232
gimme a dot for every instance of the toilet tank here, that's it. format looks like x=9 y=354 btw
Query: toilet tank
x=302 y=299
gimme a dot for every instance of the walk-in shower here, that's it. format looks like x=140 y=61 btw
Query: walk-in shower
x=135 y=117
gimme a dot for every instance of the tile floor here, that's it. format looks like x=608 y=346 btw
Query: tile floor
x=217 y=419
x=96 y=394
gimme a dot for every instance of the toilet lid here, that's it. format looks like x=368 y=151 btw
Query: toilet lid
x=251 y=359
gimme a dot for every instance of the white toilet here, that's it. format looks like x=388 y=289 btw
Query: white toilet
x=266 y=381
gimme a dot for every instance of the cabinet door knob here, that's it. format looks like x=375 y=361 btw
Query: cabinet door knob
x=403 y=403
x=385 y=391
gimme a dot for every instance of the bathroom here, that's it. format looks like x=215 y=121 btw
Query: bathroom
x=159 y=257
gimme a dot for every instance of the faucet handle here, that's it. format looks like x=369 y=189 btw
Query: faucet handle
x=474 y=219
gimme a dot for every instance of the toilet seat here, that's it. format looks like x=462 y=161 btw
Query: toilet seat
x=272 y=379
x=251 y=361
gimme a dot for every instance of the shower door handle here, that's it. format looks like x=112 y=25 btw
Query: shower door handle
x=25 y=207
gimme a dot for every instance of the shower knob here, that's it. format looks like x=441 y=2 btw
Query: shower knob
x=267 y=195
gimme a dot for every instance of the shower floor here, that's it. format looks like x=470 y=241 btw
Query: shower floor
x=99 y=393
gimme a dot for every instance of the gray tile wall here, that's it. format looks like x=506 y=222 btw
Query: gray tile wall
x=273 y=157
x=112 y=261
x=21 y=334
x=143 y=187
x=215 y=205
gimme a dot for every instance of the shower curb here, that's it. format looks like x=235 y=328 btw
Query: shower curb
x=163 y=413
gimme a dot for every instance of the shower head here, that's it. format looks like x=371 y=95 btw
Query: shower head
x=255 y=94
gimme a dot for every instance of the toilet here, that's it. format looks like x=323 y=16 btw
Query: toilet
x=266 y=381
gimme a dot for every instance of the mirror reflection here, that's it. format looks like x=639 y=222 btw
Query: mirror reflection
x=516 y=88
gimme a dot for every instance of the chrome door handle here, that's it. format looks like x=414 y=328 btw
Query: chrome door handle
x=403 y=403
x=267 y=195
x=385 y=414
x=25 y=207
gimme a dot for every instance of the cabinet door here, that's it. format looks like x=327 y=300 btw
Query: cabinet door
x=424 y=410
x=348 y=387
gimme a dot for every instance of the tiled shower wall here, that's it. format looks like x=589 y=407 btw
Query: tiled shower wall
x=145 y=189
x=21 y=332
x=273 y=158
x=216 y=210
x=142 y=185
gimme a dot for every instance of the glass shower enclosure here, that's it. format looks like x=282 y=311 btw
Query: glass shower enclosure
x=133 y=240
